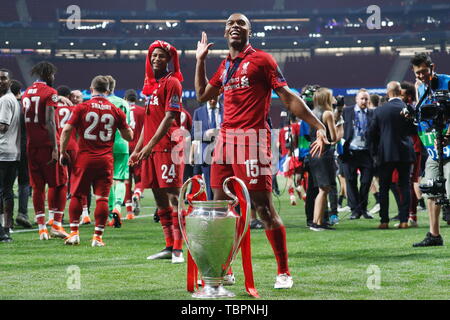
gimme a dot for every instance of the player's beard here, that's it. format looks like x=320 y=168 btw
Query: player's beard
x=238 y=44
x=3 y=89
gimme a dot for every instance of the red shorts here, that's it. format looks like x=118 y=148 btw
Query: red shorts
x=250 y=164
x=159 y=171
x=83 y=177
x=41 y=173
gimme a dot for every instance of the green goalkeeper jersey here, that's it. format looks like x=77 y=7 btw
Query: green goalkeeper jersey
x=120 y=144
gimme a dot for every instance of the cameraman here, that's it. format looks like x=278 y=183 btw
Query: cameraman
x=423 y=69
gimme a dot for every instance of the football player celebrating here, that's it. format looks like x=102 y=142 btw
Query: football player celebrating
x=154 y=148
x=247 y=77
x=39 y=102
x=96 y=122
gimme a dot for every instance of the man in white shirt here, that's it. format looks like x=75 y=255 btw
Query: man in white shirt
x=9 y=146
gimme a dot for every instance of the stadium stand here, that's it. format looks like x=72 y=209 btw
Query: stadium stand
x=339 y=72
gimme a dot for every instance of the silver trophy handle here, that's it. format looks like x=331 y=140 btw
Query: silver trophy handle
x=181 y=205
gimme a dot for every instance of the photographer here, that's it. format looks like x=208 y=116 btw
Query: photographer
x=426 y=78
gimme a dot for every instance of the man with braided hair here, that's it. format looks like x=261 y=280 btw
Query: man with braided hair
x=39 y=103
x=159 y=172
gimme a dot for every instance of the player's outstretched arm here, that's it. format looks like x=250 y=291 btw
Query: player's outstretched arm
x=203 y=89
x=298 y=107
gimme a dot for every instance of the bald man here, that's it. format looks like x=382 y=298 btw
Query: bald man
x=392 y=147
x=76 y=96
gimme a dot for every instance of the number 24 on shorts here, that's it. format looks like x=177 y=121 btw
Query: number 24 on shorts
x=168 y=173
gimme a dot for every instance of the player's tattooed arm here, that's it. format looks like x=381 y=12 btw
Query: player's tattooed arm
x=203 y=89
x=162 y=130
x=298 y=107
x=51 y=130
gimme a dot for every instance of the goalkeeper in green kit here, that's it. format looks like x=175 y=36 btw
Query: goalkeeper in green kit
x=120 y=154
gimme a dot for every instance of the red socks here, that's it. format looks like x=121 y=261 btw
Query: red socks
x=75 y=210
x=166 y=223
x=177 y=236
x=101 y=216
x=277 y=239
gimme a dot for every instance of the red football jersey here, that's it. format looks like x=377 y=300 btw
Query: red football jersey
x=96 y=122
x=167 y=97
x=137 y=114
x=295 y=132
x=35 y=100
x=62 y=114
x=248 y=92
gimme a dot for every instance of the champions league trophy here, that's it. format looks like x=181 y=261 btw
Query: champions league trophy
x=213 y=231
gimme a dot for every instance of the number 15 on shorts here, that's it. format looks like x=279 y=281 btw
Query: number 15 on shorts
x=252 y=168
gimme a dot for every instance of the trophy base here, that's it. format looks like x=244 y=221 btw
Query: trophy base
x=213 y=292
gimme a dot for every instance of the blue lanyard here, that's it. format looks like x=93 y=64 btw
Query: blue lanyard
x=232 y=71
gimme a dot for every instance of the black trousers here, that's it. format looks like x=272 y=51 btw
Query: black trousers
x=386 y=169
x=357 y=199
x=24 y=185
x=8 y=171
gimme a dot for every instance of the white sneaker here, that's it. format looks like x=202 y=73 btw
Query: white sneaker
x=97 y=242
x=344 y=209
x=412 y=223
x=177 y=259
x=284 y=281
x=229 y=280
x=293 y=200
x=73 y=239
x=375 y=209
x=164 y=254
x=43 y=234
x=58 y=232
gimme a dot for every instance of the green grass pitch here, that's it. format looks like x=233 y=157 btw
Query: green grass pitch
x=325 y=265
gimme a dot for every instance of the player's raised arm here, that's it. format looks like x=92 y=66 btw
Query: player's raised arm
x=203 y=89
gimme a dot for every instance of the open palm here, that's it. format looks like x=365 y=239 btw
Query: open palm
x=203 y=47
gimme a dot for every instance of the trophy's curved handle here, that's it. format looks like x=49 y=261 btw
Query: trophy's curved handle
x=241 y=197
x=198 y=192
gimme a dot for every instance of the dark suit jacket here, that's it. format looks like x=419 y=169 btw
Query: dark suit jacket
x=201 y=115
x=348 y=114
x=390 y=134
